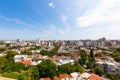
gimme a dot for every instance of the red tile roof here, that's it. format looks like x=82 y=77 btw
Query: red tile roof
x=26 y=62
x=57 y=78
x=70 y=76
x=63 y=76
x=45 y=78
x=95 y=77
x=75 y=54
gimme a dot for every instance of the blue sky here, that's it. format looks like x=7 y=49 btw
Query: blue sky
x=59 y=19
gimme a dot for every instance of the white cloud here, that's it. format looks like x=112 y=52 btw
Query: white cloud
x=106 y=11
x=64 y=18
x=51 y=4
x=50 y=30
x=114 y=29
x=16 y=21
x=66 y=29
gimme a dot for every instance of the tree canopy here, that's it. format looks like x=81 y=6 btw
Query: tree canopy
x=47 y=69
x=98 y=71
x=83 y=56
x=78 y=68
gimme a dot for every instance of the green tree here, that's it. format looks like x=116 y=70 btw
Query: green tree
x=9 y=67
x=118 y=49
x=112 y=76
x=116 y=56
x=79 y=68
x=13 y=75
x=10 y=55
x=90 y=63
x=2 y=49
x=66 y=68
x=2 y=43
x=7 y=45
x=22 y=77
x=47 y=69
x=81 y=61
x=24 y=52
x=29 y=53
x=98 y=71
x=91 y=53
x=3 y=62
x=44 y=52
x=15 y=47
x=83 y=56
x=38 y=47
x=18 y=67
x=35 y=73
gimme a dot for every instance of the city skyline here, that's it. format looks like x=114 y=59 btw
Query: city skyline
x=59 y=20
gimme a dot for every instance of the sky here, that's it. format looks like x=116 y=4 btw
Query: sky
x=59 y=19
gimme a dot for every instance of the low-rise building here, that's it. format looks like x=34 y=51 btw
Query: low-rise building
x=95 y=77
x=18 y=58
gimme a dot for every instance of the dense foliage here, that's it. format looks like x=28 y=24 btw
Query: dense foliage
x=50 y=53
x=83 y=56
x=98 y=71
x=47 y=69
x=112 y=76
x=2 y=43
x=8 y=68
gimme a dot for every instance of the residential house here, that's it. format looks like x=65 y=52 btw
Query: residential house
x=85 y=76
x=95 y=77
x=18 y=58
